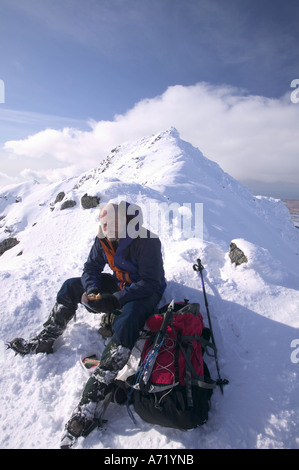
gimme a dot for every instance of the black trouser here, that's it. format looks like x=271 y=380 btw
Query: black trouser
x=126 y=326
x=72 y=290
x=68 y=298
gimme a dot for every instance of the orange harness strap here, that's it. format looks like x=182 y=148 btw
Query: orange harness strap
x=122 y=276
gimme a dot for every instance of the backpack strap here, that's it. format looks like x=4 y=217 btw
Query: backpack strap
x=199 y=381
x=204 y=343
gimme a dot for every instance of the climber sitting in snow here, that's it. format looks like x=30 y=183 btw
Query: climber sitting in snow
x=136 y=287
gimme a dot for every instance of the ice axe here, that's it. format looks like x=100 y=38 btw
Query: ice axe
x=199 y=268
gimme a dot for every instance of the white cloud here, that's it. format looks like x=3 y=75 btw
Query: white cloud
x=251 y=137
x=7 y=178
x=49 y=175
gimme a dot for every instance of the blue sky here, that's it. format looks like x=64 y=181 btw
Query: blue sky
x=101 y=66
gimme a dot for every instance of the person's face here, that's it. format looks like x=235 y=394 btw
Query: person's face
x=109 y=222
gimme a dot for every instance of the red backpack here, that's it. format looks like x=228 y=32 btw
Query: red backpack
x=173 y=385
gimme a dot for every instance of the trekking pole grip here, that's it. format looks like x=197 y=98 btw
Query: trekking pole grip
x=198 y=267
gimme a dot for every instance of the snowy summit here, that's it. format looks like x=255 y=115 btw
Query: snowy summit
x=199 y=211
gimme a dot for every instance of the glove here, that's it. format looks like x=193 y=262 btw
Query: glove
x=92 y=293
x=87 y=299
x=104 y=303
x=93 y=296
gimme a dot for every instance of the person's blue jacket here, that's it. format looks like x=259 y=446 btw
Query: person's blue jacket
x=137 y=266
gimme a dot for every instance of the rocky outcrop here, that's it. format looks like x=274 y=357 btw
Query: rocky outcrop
x=236 y=255
x=59 y=197
x=67 y=204
x=88 y=202
x=8 y=244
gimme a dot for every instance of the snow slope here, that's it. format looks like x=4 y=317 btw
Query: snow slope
x=254 y=307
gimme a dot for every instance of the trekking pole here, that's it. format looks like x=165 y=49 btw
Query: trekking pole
x=199 y=268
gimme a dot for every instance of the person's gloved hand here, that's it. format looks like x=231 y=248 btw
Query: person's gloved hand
x=101 y=303
x=106 y=304
x=92 y=295
x=86 y=298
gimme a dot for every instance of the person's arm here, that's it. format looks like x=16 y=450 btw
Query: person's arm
x=96 y=261
x=147 y=252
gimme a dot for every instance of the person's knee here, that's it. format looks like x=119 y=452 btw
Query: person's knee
x=62 y=314
x=70 y=293
x=115 y=355
x=128 y=325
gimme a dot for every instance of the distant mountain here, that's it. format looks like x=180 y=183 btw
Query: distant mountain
x=293 y=206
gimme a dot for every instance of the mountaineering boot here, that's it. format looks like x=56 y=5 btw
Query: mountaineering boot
x=96 y=394
x=35 y=345
x=106 y=325
x=43 y=342
x=80 y=424
x=83 y=422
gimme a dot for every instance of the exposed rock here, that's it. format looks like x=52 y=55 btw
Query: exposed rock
x=88 y=202
x=236 y=255
x=59 y=197
x=67 y=204
x=8 y=244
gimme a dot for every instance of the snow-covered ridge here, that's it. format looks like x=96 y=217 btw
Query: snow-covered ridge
x=254 y=306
